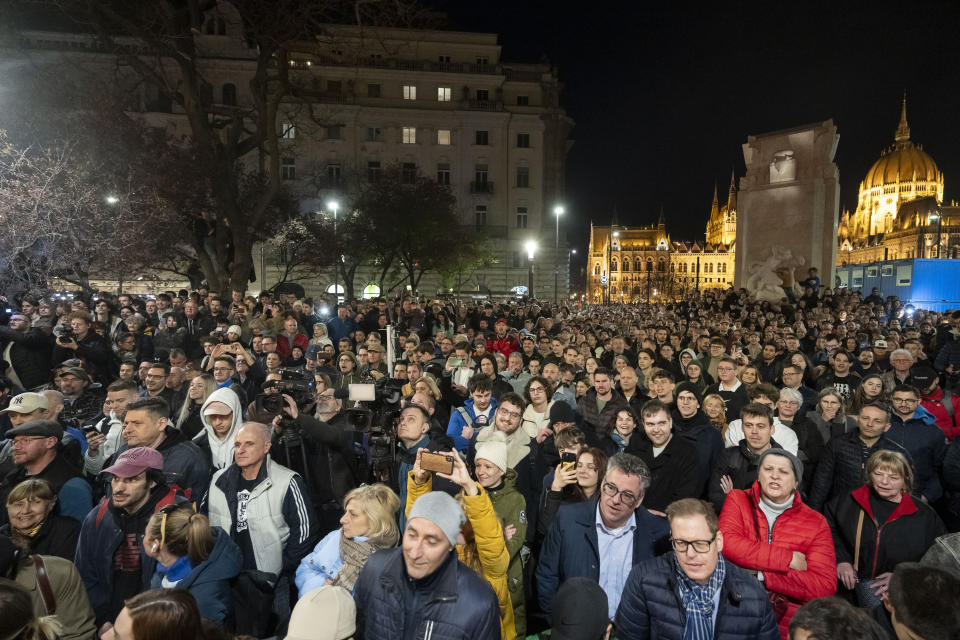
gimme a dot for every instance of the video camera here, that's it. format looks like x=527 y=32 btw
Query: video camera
x=293 y=383
x=376 y=413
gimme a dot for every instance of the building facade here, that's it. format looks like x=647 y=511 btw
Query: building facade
x=900 y=211
x=439 y=103
x=633 y=264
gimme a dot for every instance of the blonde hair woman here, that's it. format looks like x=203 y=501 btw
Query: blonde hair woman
x=369 y=524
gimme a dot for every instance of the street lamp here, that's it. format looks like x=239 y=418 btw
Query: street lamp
x=557 y=212
x=531 y=248
x=111 y=199
x=939 y=220
x=333 y=205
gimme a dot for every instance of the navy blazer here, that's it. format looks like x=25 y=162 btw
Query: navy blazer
x=571 y=548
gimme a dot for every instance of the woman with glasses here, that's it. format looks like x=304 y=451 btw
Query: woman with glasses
x=767 y=529
x=194 y=556
x=536 y=417
x=878 y=526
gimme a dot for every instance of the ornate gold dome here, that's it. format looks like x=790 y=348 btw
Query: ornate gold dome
x=900 y=163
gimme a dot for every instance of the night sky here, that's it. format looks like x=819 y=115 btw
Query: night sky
x=664 y=94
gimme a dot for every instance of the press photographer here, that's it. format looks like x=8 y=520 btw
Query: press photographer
x=321 y=450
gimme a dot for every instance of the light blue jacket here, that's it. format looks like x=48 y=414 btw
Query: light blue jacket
x=322 y=564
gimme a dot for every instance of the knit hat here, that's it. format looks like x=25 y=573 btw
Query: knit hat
x=694 y=361
x=442 y=510
x=235 y=328
x=794 y=461
x=327 y=613
x=561 y=412
x=688 y=386
x=579 y=610
x=494 y=449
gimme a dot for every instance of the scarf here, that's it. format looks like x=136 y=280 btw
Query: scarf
x=355 y=554
x=619 y=441
x=698 y=601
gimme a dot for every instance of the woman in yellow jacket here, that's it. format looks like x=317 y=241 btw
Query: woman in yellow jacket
x=483 y=548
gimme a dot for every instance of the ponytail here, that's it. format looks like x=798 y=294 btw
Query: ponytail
x=43 y=628
x=199 y=538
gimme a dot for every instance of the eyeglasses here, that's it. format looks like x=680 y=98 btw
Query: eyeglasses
x=700 y=546
x=537 y=389
x=611 y=491
x=514 y=415
x=905 y=401
x=23 y=440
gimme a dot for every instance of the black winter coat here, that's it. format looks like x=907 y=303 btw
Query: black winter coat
x=706 y=438
x=29 y=355
x=675 y=473
x=741 y=465
x=651 y=608
x=453 y=603
x=842 y=466
x=57 y=536
x=904 y=537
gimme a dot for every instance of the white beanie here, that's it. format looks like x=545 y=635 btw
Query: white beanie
x=494 y=449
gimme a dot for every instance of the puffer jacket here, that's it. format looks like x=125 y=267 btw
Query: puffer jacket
x=906 y=535
x=842 y=466
x=209 y=581
x=453 y=603
x=651 y=608
x=491 y=547
x=799 y=528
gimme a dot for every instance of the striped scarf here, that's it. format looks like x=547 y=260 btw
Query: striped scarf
x=698 y=601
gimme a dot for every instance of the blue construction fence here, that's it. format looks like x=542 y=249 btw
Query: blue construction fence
x=926 y=283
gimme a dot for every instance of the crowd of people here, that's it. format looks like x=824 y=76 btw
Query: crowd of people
x=183 y=465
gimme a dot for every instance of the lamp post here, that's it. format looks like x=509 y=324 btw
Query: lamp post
x=531 y=248
x=333 y=205
x=557 y=212
x=939 y=218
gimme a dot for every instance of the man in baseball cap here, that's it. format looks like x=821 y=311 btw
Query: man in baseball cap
x=26 y=407
x=37 y=454
x=110 y=556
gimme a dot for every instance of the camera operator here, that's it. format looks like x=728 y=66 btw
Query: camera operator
x=328 y=449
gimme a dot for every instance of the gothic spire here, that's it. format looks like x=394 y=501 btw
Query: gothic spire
x=732 y=194
x=903 y=129
x=715 y=208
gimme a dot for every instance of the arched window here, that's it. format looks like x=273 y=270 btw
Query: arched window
x=371 y=291
x=626 y=264
x=229 y=94
x=649 y=265
x=637 y=265
x=613 y=265
x=661 y=266
x=596 y=269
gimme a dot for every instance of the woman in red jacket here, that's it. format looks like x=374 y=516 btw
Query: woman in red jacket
x=768 y=530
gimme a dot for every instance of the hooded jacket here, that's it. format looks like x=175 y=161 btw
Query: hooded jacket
x=219 y=452
x=209 y=581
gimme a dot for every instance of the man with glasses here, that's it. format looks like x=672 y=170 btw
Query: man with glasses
x=155 y=386
x=603 y=537
x=36 y=454
x=694 y=592
x=923 y=441
x=792 y=377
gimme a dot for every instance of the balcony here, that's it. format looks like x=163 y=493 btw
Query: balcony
x=482 y=105
x=482 y=187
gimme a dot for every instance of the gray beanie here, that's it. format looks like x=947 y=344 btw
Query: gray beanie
x=794 y=461
x=442 y=510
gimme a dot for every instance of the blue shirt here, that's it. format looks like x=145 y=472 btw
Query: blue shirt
x=615 y=547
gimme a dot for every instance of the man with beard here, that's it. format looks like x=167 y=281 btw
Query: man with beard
x=110 y=558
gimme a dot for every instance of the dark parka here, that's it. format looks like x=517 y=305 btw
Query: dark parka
x=841 y=468
x=698 y=430
x=927 y=448
x=571 y=548
x=30 y=354
x=741 y=465
x=904 y=537
x=453 y=603
x=674 y=474
x=651 y=608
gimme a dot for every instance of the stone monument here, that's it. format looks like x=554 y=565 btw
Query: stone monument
x=788 y=207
